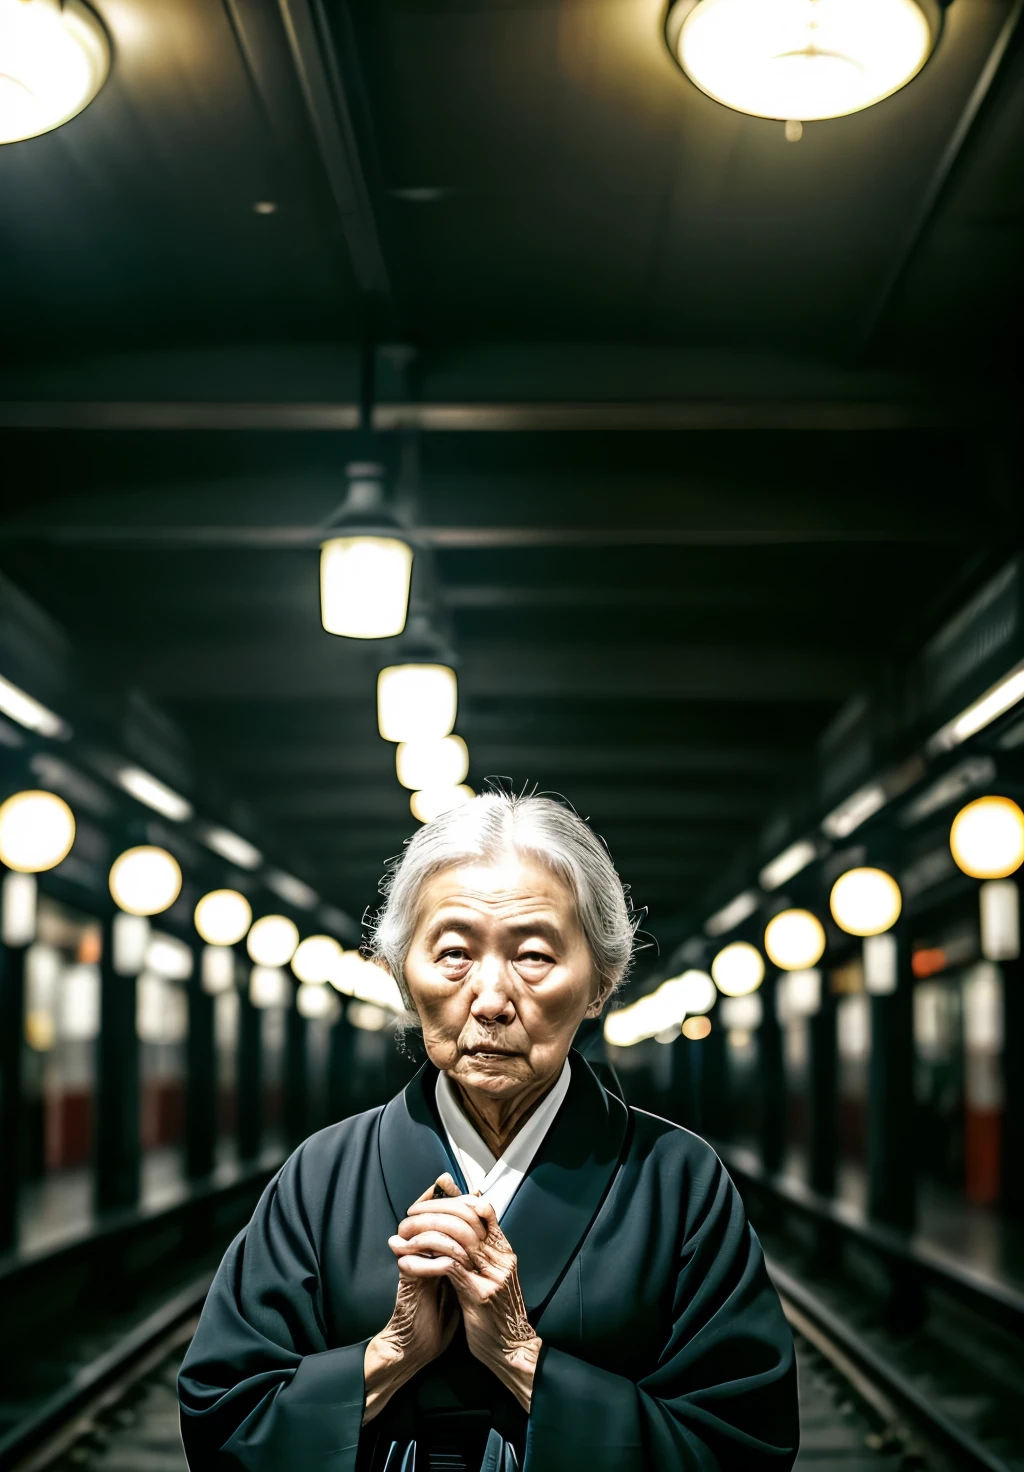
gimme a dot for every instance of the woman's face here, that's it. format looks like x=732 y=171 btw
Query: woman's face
x=500 y=974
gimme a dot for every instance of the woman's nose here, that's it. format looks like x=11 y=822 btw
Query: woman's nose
x=492 y=1001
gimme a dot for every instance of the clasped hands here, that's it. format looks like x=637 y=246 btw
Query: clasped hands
x=453 y=1258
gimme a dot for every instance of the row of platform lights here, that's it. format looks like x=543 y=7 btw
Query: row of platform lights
x=986 y=840
x=791 y=60
x=37 y=832
x=365 y=576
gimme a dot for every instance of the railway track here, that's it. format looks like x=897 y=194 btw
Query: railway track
x=858 y=1412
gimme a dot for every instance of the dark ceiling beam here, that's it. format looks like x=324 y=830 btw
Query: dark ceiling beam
x=599 y=417
x=330 y=109
x=921 y=217
x=332 y=761
x=368 y=803
x=270 y=670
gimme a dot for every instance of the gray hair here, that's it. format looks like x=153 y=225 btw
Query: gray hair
x=486 y=828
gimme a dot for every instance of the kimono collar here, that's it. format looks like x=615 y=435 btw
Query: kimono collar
x=560 y=1195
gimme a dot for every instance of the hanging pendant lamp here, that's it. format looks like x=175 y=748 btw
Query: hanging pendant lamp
x=365 y=562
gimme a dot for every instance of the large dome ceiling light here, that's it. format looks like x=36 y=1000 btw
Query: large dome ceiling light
x=365 y=563
x=801 y=60
x=223 y=917
x=738 y=969
x=54 y=58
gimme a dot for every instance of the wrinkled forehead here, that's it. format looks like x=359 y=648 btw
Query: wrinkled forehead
x=509 y=887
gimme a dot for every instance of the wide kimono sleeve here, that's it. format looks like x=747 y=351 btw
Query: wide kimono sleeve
x=259 y=1388
x=722 y=1396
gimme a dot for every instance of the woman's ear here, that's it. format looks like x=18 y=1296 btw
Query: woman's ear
x=597 y=1005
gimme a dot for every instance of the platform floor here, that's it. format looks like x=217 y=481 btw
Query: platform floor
x=59 y=1208
x=979 y=1238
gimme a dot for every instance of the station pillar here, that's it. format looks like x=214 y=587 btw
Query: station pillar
x=12 y=1032
x=892 y=1193
x=118 y=1152
x=1011 y=1145
x=296 y=1074
x=249 y=1073
x=201 y=1077
x=771 y=1080
x=823 y=1094
x=339 y=1069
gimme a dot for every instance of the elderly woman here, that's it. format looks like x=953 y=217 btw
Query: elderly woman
x=504 y=1267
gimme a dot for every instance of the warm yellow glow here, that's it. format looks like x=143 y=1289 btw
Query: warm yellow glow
x=54 y=58
x=987 y=838
x=416 y=702
x=222 y=917
x=145 y=880
x=364 y=586
x=801 y=59
x=367 y=1017
x=422 y=765
x=738 y=969
x=272 y=940
x=428 y=805
x=37 y=830
x=316 y=959
x=865 y=901
x=269 y=987
x=696 y=1028
x=794 y=940
x=315 y=1002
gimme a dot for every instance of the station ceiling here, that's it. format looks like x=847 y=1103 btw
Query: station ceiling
x=700 y=430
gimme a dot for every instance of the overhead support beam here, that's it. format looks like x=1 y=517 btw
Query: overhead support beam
x=594 y=417
x=921 y=217
x=331 y=113
x=275 y=670
x=621 y=803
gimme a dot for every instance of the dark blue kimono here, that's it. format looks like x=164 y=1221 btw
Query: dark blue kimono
x=664 y=1343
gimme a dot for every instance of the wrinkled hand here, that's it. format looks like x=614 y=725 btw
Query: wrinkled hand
x=421 y=1327
x=461 y=1239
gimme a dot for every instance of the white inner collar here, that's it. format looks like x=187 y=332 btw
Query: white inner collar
x=497 y=1179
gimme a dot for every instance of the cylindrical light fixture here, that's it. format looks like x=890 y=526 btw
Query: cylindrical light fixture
x=366 y=564
x=738 y=969
x=316 y=958
x=801 y=60
x=430 y=804
x=794 y=940
x=865 y=901
x=272 y=940
x=56 y=57
x=145 y=880
x=422 y=765
x=37 y=829
x=416 y=702
x=222 y=917
x=987 y=838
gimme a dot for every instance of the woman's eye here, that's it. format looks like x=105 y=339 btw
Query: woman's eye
x=537 y=957
x=455 y=954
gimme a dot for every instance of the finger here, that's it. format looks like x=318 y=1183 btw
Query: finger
x=465 y=1207
x=444 y=1186
x=429 y=1244
x=425 y=1267
x=452 y=1226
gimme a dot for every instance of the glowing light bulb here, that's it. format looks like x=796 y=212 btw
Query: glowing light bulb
x=423 y=765
x=145 y=880
x=794 y=940
x=416 y=702
x=272 y=940
x=316 y=959
x=37 y=830
x=222 y=917
x=56 y=58
x=797 y=60
x=865 y=901
x=738 y=969
x=428 y=805
x=987 y=838
x=364 y=586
